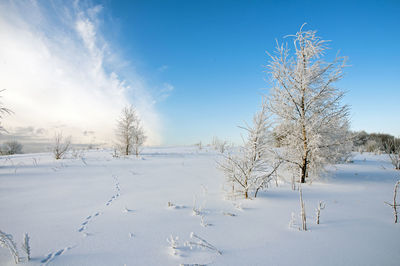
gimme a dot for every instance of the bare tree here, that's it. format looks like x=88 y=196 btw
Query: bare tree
x=251 y=169
x=130 y=132
x=219 y=145
x=394 y=205
x=311 y=123
x=61 y=145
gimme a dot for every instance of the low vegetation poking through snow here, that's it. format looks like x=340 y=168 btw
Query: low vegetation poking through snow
x=120 y=210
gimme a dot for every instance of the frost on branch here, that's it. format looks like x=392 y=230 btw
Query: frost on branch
x=200 y=243
x=311 y=124
x=203 y=222
x=26 y=246
x=173 y=244
x=250 y=170
x=6 y=241
x=196 y=209
x=303 y=217
x=293 y=222
x=394 y=205
x=195 y=242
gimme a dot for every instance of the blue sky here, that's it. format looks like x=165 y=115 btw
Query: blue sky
x=214 y=53
x=200 y=63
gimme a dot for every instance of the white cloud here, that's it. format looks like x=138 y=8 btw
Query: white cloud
x=55 y=66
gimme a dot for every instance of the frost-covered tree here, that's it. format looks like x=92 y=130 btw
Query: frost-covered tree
x=311 y=123
x=130 y=133
x=250 y=169
x=219 y=145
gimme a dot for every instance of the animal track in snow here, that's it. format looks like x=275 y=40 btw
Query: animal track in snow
x=117 y=188
x=54 y=255
x=87 y=220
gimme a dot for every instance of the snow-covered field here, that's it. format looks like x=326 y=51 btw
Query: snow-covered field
x=101 y=210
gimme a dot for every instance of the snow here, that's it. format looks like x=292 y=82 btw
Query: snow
x=114 y=211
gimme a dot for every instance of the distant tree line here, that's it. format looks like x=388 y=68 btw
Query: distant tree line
x=374 y=142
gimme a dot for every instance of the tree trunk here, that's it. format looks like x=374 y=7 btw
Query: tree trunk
x=303 y=171
x=304 y=163
x=246 y=194
x=303 y=122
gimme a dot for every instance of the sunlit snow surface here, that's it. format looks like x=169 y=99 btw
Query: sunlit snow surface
x=101 y=210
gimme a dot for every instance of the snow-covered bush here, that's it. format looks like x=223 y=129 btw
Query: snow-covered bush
x=11 y=147
x=393 y=150
x=372 y=146
x=251 y=169
x=130 y=133
x=173 y=244
x=311 y=124
x=77 y=153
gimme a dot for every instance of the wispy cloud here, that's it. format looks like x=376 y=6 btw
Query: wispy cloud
x=59 y=72
x=163 y=68
x=165 y=92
